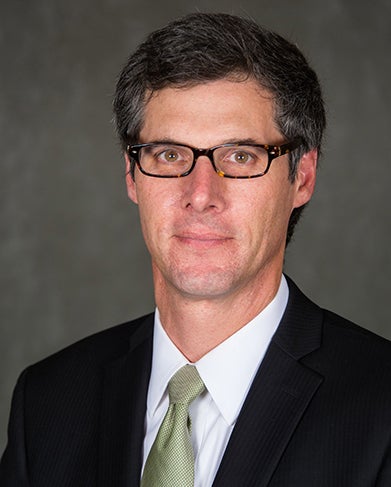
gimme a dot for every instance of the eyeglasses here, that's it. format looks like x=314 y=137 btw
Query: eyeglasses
x=237 y=161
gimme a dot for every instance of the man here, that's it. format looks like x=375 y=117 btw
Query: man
x=221 y=125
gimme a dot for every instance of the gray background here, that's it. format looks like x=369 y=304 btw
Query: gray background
x=72 y=258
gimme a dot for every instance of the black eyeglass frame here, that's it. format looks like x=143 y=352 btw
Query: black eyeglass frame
x=273 y=151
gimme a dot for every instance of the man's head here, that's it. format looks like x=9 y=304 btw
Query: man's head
x=207 y=47
x=207 y=81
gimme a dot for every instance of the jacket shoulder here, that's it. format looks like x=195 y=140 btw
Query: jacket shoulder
x=356 y=344
x=90 y=354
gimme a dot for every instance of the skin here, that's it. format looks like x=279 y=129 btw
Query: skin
x=217 y=245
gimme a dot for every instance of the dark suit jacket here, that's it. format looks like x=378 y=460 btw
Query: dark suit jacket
x=318 y=413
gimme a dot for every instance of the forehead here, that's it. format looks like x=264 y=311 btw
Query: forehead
x=211 y=112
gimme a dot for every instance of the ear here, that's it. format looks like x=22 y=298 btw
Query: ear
x=130 y=183
x=305 y=178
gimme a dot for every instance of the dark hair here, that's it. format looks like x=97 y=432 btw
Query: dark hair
x=204 y=47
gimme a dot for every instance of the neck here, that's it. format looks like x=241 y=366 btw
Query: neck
x=197 y=325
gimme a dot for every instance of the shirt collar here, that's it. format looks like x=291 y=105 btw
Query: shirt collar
x=229 y=369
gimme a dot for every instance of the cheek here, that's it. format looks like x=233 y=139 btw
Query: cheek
x=268 y=210
x=155 y=208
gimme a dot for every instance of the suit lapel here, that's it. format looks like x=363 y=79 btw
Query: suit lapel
x=278 y=398
x=123 y=410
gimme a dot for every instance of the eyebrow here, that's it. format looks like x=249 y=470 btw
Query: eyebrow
x=248 y=141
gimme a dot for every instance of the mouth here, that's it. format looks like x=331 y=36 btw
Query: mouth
x=202 y=240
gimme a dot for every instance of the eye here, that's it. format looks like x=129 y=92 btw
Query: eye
x=241 y=157
x=170 y=155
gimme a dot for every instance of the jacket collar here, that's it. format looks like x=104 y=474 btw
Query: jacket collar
x=279 y=396
x=125 y=387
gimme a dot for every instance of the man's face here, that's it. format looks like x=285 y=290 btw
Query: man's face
x=211 y=237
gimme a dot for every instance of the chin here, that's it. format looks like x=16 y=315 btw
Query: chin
x=202 y=285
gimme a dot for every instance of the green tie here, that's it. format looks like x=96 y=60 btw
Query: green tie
x=170 y=462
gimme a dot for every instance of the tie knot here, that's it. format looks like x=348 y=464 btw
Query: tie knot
x=185 y=385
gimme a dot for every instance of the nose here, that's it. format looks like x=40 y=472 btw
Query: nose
x=203 y=187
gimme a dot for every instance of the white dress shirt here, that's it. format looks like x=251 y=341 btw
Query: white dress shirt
x=227 y=372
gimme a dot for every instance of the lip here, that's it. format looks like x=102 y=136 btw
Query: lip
x=201 y=240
